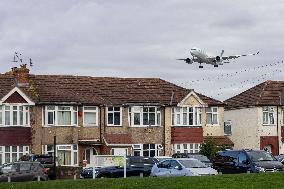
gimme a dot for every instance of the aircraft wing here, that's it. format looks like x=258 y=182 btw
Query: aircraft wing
x=237 y=56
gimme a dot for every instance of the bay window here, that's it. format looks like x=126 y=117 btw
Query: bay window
x=60 y=115
x=186 y=116
x=9 y=154
x=186 y=148
x=14 y=115
x=66 y=154
x=90 y=116
x=114 y=116
x=268 y=115
x=212 y=115
x=144 y=116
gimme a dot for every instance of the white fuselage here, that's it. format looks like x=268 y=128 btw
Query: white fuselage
x=199 y=55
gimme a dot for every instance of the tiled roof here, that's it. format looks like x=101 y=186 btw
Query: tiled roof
x=111 y=139
x=266 y=93
x=220 y=140
x=101 y=90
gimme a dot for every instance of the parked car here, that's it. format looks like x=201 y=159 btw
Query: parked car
x=280 y=158
x=182 y=167
x=6 y=168
x=243 y=161
x=135 y=165
x=25 y=171
x=45 y=159
x=200 y=157
x=161 y=158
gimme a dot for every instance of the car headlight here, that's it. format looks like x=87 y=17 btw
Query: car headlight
x=259 y=169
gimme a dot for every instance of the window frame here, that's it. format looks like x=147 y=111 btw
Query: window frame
x=113 y=112
x=22 y=114
x=186 y=148
x=139 y=148
x=18 y=152
x=73 y=111
x=212 y=115
x=91 y=111
x=178 y=111
x=132 y=110
x=60 y=147
x=268 y=112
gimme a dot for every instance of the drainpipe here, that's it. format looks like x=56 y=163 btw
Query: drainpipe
x=100 y=126
x=164 y=130
x=277 y=125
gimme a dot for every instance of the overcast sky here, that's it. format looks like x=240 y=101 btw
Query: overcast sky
x=143 y=38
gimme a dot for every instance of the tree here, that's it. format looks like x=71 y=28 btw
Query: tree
x=209 y=149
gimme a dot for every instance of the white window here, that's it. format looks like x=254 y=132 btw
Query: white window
x=114 y=116
x=146 y=150
x=212 y=116
x=90 y=116
x=228 y=127
x=14 y=115
x=186 y=116
x=144 y=116
x=186 y=148
x=9 y=154
x=60 y=115
x=65 y=154
x=268 y=115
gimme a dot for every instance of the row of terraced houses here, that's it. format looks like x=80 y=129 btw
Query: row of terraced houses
x=136 y=116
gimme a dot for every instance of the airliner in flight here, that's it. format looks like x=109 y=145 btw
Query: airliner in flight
x=201 y=56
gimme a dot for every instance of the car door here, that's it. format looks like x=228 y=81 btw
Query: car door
x=243 y=165
x=163 y=168
x=176 y=169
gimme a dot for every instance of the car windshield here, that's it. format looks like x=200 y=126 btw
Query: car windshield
x=201 y=158
x=191 y=163
x=260 y=156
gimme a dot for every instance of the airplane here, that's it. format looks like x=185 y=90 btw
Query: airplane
x=201 y=56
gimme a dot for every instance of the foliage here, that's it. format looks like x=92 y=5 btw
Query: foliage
x=209 y=149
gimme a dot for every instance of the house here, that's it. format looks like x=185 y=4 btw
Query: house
x=254 y=118
x=102 y=115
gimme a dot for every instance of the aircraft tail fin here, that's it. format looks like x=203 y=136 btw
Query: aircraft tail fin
x=222 y=52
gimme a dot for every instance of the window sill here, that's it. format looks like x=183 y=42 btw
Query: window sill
x=144 y=126
x=212 y=125
x=268 y=125
x=15 y=126
x=186 y=125
x=60 y=126
x=90 y=125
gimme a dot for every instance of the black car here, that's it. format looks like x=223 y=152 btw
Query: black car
x=135 y=165
x=200 y=157
x=25 y=171
x=244 y=161
x=46 y=161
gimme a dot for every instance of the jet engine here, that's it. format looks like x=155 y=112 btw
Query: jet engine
x=218 y=58
x=188 y=61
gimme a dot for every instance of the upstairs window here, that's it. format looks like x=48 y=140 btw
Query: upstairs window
x=114 y=116
x=186 y=116
x=268 y=115
x=14 y=115
x=144 y=116
x=212 y=116
x=90 y=116
x=60 y=115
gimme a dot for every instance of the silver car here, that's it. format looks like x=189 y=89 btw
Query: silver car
x=181 y=167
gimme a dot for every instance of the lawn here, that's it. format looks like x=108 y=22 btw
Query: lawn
x=241 y=181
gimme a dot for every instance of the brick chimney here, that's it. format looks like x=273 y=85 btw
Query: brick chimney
x=21 y=75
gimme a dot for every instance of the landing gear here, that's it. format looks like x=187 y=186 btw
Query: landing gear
x=215 y=66
x=200 y=66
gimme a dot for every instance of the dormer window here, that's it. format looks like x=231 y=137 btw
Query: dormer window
x=14 y=115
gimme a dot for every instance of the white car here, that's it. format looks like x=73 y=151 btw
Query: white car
x=181 y=167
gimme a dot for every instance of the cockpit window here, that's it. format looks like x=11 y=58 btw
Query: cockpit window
x=193 y=49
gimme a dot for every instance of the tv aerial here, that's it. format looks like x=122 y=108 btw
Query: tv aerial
x=18 y=58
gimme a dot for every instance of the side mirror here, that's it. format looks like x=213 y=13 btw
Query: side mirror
x=179 y=167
